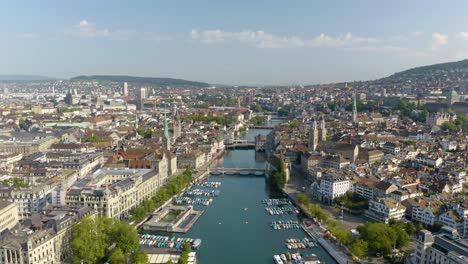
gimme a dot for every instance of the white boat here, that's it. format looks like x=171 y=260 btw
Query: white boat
x=283 y=257
x=277 y=259
x=196 y=243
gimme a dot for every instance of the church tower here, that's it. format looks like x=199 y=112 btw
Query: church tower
x=313 y=137
x=166 y=138
x=322 y=130
x=354 y=109
x=177 y=127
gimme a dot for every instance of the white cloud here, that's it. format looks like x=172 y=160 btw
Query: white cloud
x=343 y=40
x=87 y=29
x=438 y=40
x=259 y=39
x=462 y=36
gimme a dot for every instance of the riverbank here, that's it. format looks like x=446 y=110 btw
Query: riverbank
x=317 y=231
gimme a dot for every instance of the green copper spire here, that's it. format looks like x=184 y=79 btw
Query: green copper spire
x=166 y=128
x=354 y=108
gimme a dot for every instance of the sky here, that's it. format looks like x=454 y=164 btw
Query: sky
x=241 y=42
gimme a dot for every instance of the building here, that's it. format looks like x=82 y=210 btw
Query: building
x=437 y=119
x=46 y=240
x=354 y=116
x=385 y=209
x=114 y=192
x=313 y=137
x=452 y=97
x=29 y=247
x=29 y=200
x=260 y=141
x=125 y=89
x=391 y=148
x=334 y=185
x=9 y=217
x=445 y=247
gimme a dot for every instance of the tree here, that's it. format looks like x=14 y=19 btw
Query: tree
x=257 y=108
x=380 y=237
x=448 y=126
x=303 y=199
x=410 y=228
x=419 y=227
x=117 y=256
x=89 y=241
x=140 y=257
x=185 y=254
x=124 y=236
x=359 y=248
x=169 y=262
x=437 y=226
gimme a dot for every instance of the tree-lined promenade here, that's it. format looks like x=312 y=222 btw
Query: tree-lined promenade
x=373 y=237
x=96 y=239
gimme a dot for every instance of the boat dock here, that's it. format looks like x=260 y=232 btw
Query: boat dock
x=288 y=209
x=285 y=224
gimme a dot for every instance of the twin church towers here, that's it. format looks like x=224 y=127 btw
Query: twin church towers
x=317 y=134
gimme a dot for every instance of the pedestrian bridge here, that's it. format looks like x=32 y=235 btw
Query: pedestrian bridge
x=241 y=144
x=237 y=171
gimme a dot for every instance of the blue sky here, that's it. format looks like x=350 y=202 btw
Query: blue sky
x=232 y=42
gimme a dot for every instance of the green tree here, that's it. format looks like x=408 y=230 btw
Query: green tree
x=380 y=237
x=140 y=257
x=117 y=256
x=257 y=108
x=437 y=226
x=89 y=241
x=169 y=262
x=419 y=227
x=410 y=228
x=303 y=199
x=359 y=248
x=185 y=254
x=124 y=236
x=448 y=126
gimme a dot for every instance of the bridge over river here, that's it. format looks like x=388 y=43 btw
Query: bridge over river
x=238 y=171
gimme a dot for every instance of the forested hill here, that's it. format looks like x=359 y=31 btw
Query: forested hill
x=142 y=80
x=442 y=72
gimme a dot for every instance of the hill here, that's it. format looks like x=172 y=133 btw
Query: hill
x=141 y=80
x=436 y=72
x=19 y=77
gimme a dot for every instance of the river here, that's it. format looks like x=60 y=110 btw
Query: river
x=235 y=228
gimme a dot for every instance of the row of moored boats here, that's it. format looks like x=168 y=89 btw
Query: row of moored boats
x=287 y=209
x=200 y=192
x=210 y=184
x=167 y=242
x=293 y=243
x=276 y=202
x=285 y=224
x=184 y=200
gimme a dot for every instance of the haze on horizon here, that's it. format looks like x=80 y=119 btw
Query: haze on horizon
x=231 y=42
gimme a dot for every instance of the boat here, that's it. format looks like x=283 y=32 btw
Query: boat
x=196 y=243
x=283 y=257
x=277 y=259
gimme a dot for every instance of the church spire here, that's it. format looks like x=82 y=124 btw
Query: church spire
x=354 y=108
x=166 y=128
x=166 y=139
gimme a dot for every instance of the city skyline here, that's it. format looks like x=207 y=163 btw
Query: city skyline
x=263 y=43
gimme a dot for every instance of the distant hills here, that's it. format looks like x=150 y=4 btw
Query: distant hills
x=450 y=70
x=141 y=80
x=20 y=77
